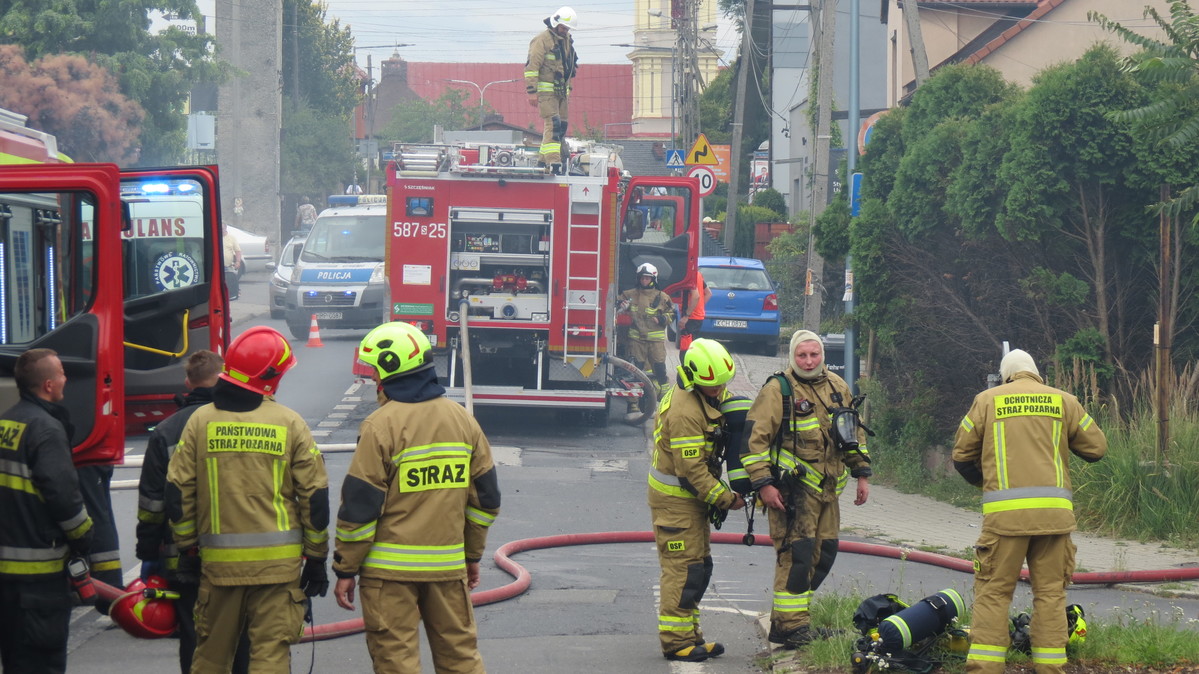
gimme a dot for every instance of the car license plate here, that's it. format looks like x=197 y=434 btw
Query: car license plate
x=722 y=323
x=328 y=315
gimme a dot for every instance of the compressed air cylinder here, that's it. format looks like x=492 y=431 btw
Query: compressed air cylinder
x=734 y=411
x=928 y=617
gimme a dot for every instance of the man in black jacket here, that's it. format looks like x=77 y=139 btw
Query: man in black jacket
x=155 y=545
x=45 y=522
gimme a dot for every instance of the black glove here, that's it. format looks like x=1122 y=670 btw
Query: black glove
x=188 y=570
x=314 y=579
x=82 y=545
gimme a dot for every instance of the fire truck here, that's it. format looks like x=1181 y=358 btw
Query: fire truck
x=119 y=271
x=513 y=273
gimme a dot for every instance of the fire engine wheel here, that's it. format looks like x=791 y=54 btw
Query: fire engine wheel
x=623 y=376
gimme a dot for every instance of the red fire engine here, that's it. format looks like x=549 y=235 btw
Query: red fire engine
x=513 y=273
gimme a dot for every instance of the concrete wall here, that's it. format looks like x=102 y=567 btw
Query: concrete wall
x=249 y=35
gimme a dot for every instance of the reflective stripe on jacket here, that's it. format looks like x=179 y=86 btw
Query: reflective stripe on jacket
x=651 y=310
x=551 y=64
x=411 y=507
x=251 y=483
x=39 y=494
x=1020 y=435
x=682 y=465
x=807 y=443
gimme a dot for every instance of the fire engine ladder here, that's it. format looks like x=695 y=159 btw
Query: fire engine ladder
x=582 y=288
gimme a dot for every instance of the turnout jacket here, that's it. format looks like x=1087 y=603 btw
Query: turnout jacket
x=44 y=516
x=651 y=309
x=1015 y=443
x=419 y=496
x=551 y=64
x=253 y=494
x=684 y=470
x=806 y=446
x=154 y=539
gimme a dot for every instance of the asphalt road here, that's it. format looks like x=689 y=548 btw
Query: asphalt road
x=589 y=607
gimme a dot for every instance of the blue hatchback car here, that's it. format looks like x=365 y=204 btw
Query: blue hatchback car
x=744 y=306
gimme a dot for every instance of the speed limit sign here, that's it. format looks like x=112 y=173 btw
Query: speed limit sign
x=706 y=178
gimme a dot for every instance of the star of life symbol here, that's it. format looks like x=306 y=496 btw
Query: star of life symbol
x=175 y=270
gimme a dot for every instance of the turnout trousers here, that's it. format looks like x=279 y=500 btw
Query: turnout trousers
x=997 y=563
x=34 y=626
x=685 y=555
x=272 y=616
x=805 y=552
x=392 y=612
x=550 y=105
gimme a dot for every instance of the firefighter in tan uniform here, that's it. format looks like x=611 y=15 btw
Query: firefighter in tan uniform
x=416 y=504
x=651 y=310
x=684 y=482
x=551 y=66
x=1015 y=443
x=248 y=500
x=799 y=466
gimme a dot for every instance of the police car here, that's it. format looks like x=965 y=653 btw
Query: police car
x=339 y=274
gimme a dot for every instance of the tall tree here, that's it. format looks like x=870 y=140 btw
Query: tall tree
x=155 y=70
x=74 y=100
x=1172 y=118
x=320 y=91
x=413 y=121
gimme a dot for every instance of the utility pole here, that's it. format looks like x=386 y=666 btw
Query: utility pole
x=855 y=112
x=911 y=16
x=687 y=79
x=824 y=22
x=745 y=63
x=1163 y=331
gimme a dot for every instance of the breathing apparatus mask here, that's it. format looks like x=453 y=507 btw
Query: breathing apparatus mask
x=846 y=422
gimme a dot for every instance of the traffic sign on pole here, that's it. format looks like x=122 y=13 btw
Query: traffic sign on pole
x=706 y=178
x=702 y=153
x=674 y=159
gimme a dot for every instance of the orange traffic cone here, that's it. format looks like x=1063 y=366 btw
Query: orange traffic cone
x=314 y=334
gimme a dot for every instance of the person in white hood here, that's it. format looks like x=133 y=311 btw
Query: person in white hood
x=799 y=468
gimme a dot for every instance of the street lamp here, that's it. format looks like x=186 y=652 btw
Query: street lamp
x=482 y=91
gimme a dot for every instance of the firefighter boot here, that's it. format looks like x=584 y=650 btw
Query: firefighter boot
x=714 y=648
x=791 y=639
x=691 y=654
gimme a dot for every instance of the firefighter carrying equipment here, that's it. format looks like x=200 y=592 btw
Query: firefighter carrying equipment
x=904 y=638
x=147 y=609
x=257 y=359
x=395 y=348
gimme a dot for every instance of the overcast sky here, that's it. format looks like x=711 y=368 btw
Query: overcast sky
x=487 y=31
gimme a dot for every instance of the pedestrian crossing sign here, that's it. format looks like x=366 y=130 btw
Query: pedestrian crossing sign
x=702 y=153
x=674 y=159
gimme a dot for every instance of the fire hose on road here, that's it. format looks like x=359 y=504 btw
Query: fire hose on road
x=522 y=578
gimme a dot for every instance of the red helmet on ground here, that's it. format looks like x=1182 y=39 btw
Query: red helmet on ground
x=146 y=617
x=257 y=359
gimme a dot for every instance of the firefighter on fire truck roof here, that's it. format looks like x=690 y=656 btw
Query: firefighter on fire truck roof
x=652 y=310
x=248 y=500
x=416 y=505
x=551 y=66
